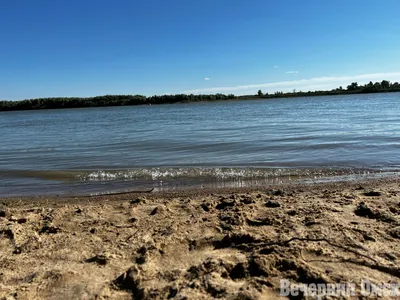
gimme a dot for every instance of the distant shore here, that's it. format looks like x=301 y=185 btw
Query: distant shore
x=130 y=100
x=199 y=244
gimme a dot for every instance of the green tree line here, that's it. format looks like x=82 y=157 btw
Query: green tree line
x=125 y=100
x=353 y=88
x=107 y=100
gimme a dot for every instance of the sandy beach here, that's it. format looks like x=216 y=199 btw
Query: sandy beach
x=199 y=244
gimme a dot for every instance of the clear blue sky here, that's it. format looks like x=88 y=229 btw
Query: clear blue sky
x=95 y=47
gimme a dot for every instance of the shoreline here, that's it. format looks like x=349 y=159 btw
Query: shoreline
x=200 y=243
x=26 y=105
x=203 y=188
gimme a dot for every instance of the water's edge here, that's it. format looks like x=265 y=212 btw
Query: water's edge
x=98 y=182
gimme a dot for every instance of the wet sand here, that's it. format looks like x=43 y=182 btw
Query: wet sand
x=199 y=244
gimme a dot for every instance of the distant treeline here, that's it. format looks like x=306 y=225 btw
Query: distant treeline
x=108 y=100
x=125 y=100
x=353 y=88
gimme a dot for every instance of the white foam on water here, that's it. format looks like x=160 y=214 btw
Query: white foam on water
x=157 y=174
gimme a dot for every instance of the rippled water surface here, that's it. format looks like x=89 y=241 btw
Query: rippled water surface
x=231 y=143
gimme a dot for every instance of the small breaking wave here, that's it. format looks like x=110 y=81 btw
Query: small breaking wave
x=213 y=173
x=159 y=174
x=82 y=182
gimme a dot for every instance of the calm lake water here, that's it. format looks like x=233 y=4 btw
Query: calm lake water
x=233 y=143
